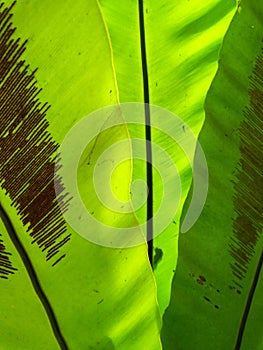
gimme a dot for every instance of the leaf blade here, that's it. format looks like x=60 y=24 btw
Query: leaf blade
x=182 y=41
x=206 y=250
x=94 y=281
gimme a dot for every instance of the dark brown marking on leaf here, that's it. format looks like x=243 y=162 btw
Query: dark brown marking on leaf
x=6 y=267
x=248 y=197
x=27 y=157
x=237 y=284
x=202 y=278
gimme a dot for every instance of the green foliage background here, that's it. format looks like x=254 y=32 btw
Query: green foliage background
x=204 y=63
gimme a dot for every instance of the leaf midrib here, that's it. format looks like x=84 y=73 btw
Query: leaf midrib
x=248 y=304
x=149 y=175
x=33 y=278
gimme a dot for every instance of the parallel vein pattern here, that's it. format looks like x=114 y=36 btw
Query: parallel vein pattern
x=6 y=267
x=248 y=198
x=27 y=149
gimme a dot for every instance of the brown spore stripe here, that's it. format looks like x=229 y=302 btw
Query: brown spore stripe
x=6 y=267
x=28 y=152
x=248 y=197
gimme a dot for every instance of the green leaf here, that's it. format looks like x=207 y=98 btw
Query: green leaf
x=217 y=290
x=182 y=40
x=18 y=302
x=67 y=293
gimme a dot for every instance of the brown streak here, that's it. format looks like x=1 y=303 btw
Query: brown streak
x=27 y=157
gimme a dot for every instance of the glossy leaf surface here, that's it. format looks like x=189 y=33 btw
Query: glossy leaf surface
x=99 y=297
x=217 y=290
x=182 y=39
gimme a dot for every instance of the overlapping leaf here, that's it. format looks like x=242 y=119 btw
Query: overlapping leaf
x=217 y=290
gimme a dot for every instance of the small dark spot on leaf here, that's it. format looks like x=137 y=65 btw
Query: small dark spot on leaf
x=101 y=301
x=238 y=291
x=199 y=282
x=158 y=254
x=95 y=290
x=207 y=299
x=218 y=291
x=216 y=306
x=202 y=278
